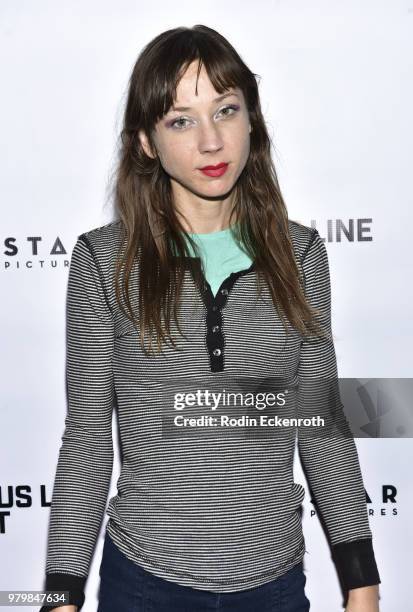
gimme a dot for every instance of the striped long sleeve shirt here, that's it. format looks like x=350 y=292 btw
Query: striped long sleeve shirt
x=205 y=505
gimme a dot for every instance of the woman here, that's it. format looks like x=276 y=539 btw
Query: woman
x=204 y=263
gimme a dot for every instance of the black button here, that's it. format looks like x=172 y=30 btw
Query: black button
x=224 y=291
x=214 y=308
x=216 y=352
x=215 y=328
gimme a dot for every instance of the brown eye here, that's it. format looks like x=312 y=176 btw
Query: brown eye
x=233 y=107
x=176 y=122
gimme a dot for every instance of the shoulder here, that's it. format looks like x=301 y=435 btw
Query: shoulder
x=104 y=237
x=104 y=241
x=303 y=238
x=310 y=250
x=97 y=249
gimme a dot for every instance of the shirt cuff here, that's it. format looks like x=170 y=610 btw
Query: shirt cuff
x=356 y=563
x=66 y=582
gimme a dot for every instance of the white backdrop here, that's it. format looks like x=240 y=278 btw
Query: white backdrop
x=336 y=91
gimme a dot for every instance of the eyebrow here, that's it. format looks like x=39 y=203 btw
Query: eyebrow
x=188 y=108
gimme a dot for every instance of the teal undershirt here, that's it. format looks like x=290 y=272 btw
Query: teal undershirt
x=220 y=255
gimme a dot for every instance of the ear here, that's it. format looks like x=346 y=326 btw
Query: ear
x=145 y=144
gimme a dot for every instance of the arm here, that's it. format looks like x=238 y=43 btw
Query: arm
x=363 y=599
x=330 y=458
x=85 y=460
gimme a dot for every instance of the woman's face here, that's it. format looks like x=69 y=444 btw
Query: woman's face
x=208 y=132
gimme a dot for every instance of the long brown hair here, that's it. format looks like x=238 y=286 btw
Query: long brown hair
x=152 y=232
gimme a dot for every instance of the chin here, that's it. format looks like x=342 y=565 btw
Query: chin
x=216 y=189
x=210 y=188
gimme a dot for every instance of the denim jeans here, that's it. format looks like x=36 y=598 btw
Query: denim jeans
x=127 y=587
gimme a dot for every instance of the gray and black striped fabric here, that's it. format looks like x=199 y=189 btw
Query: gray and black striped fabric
x=214 y=512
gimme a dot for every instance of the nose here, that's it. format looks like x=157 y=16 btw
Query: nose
x=210 y=138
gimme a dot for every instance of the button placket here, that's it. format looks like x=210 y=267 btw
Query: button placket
x=215 y=339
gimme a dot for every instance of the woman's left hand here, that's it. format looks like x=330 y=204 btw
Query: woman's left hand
x=363 y=599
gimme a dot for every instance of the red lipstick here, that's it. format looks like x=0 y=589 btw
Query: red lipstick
x=217 y=170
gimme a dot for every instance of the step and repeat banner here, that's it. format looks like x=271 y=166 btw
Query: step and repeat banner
x=336 y=92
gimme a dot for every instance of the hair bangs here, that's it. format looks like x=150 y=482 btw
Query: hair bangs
x=177 y=54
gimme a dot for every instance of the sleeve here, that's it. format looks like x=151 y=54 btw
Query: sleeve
x=85 y=461
x=330 y=459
